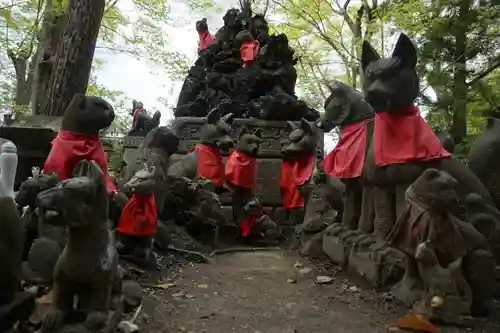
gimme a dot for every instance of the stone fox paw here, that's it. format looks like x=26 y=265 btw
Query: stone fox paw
x=53 y=321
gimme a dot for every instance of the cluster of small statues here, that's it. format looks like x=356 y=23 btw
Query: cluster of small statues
x=389 y=178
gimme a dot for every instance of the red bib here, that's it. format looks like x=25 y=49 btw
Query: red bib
x=206 y=39
x=134 y=115
x=139 y=217
x=210 y=165
x=347 y=158
x=247 y=224
x=248 y=51
x=69 y=148
x=241 y=169
x=404 y=137
x=293 y=174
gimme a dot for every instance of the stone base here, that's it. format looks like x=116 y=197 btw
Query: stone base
x=19 y=310
x=363 y=255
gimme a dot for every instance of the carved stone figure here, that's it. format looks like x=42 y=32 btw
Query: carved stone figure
x=297 y=169
x=374 y=208
x=241 y=172
x=206 y=38
x=484 y=157
x=26 y=197
x=78 y=139
x=392 y=162
x=88 y=266
x=205 y=162
x=259 y=81
x=142 y=122
x=436 y=244
x=11 y=228
x=138 y=222
x=155 y=151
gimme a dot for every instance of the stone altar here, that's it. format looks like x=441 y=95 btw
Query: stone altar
x=274 y=135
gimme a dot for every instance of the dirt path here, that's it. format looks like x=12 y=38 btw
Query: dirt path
x=268 y=292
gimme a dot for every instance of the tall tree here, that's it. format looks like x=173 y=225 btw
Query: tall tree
x=75 y=54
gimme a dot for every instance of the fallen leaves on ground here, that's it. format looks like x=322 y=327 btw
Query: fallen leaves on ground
x=416 y=323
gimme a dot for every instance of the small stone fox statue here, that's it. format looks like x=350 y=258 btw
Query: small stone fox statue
x=138 y=222
x=11 y=227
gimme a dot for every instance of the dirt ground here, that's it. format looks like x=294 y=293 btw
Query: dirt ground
x=270 y=292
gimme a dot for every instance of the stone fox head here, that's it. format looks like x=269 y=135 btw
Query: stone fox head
x=344 y=106
x=249 y=143
x=87 y=115
x=202 y=25
x=390 y=83
x=302 y=141
x=78 y=201
x=29 y=189
x=142 y=182
x=435 y=189
x=216 y=132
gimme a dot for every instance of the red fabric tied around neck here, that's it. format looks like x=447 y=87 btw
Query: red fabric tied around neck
x=139 y=217
x=248 y=51
x=293 y=174
x=69 y=148
x=347 y=158
x=210 y=165
x=206 y=39
x=241 y=169
x=134 y=115
x=403 y=136
x=247 y=224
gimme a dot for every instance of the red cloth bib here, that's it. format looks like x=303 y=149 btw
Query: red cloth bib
x=134 y=116
x=404 y=137
x=206 y=39
x=347 y=158
x=293 y=174
x=248 y=51
x=139 y=217
x=247 y=224
x=210 y=165
x=241 y=169
x=69 y=148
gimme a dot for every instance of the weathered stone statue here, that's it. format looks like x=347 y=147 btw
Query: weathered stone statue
x=354 y=155
x=297 y=169
x=15 y=305
x=484 y=157
x=206 y=38
x=79 y=139
x=11 y=228
x=142 y=122
x=88 y=266
x=138 y=222
x=205 y=162
x=241 y=172
x=436 y=245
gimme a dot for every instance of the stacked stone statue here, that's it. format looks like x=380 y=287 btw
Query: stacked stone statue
x=244 y=71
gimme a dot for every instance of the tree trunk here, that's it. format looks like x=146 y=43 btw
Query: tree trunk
x=75 y=54
x=459 y=126
x=53 y=25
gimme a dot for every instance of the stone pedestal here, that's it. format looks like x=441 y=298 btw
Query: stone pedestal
x=274 y=134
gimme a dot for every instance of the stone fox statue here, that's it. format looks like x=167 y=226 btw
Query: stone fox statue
x=205 y=161
x=241 y=173
x=142 y=122
x=88 y=265
x=138 y=222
